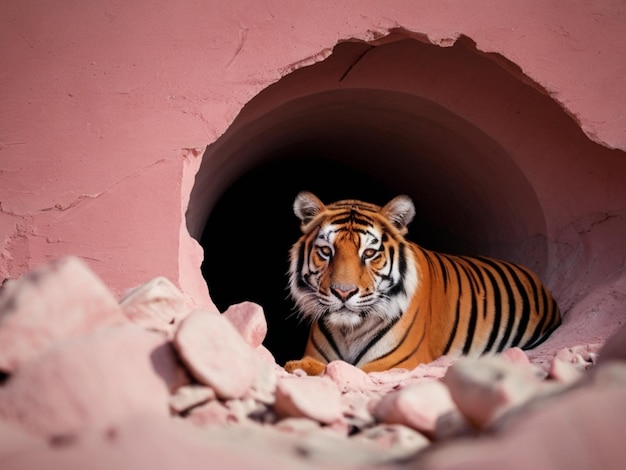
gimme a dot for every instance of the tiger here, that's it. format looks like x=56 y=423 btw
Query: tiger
x=378 y=301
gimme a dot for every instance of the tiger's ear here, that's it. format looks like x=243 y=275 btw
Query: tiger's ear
x=307 y=206
x=400 y=212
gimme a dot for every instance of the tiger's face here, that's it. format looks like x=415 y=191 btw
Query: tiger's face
x=352 y=263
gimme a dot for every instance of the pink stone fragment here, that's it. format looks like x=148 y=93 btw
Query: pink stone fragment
x=215 y=353
x=309 y=397
x=348 y=377
x=157 y=305
x=582 y=429
x=211 y=413
x=61 y=300
x=189 y=396
x=92 y=381
x=264 y=354
x=249 y=320
x=417 y=406
x=485 y=388
x=569 y=363
x=515 y=355
x=400 y=439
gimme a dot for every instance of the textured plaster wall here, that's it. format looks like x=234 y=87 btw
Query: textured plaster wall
x=106 y=110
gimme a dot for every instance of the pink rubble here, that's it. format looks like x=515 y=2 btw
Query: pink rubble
x=137 y=392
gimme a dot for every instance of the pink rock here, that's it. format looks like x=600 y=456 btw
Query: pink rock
x=249 y=320
x=487 y=387
x=213 y=412
x=92 y=382
x=263 y=387
x=215 y=353
x=61 y=300
x=582 y=429
x=515 y=355
x=221 y=413
x=299 y=426
x=310 y=397
x=264 y=354
x=357 y=406
x=157 y=305
x=189 y=396
x=569 y=363
x=417 y=406
x=348 y=377
x=400 y=440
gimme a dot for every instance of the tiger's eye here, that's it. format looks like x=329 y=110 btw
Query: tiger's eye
x=324 y=251
x=369 y=253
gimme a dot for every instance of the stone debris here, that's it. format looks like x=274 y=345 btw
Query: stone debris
x=569 y=364
x=309 y=397
x=54 y=302
x=157 y=305
x=484 y=389
x=154 y=382
x=215 y=353
x=189 y=396
x=249 y=320
x=91 y=382
x=417 y=406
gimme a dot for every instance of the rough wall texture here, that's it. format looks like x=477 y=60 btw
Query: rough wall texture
x=107 y=108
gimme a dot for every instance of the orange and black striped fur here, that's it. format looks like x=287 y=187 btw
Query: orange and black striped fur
x=379 y=301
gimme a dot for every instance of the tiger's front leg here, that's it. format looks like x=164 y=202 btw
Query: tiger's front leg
x=307 y=364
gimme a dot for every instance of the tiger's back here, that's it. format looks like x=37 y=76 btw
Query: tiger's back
x=379 y=301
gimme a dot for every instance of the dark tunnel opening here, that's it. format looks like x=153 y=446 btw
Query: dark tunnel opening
x=363 y=140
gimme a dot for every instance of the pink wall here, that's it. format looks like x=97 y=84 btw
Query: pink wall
x=106 y=109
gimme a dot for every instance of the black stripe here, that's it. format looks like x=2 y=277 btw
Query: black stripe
x=479 y=281
x=397 y=289
x=351 y=220
x=444 y=271
x=377 y=338
x=299 y=280
x=525 y=316
x=413 y=351
x=471 y=327
x=496 y=265
x=319 y=350
x=448 y=345
x=546 y=334
x=329 y=337
x=497 y=304
x=537 y=307
x=540 y=334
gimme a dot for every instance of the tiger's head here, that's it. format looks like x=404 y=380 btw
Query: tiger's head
x=352 y=262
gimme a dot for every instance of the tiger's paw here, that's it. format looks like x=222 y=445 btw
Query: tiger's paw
x=307 y=364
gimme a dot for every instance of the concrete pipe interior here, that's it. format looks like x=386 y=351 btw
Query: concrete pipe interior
x=443 y=125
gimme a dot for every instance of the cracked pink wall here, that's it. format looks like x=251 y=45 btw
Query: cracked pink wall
x=106 y=109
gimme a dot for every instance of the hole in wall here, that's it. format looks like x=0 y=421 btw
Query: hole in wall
x=439 y=124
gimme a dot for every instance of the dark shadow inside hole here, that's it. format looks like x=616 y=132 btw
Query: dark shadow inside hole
x=252 y=226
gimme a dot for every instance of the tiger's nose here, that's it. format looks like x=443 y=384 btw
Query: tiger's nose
x=343 y=291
